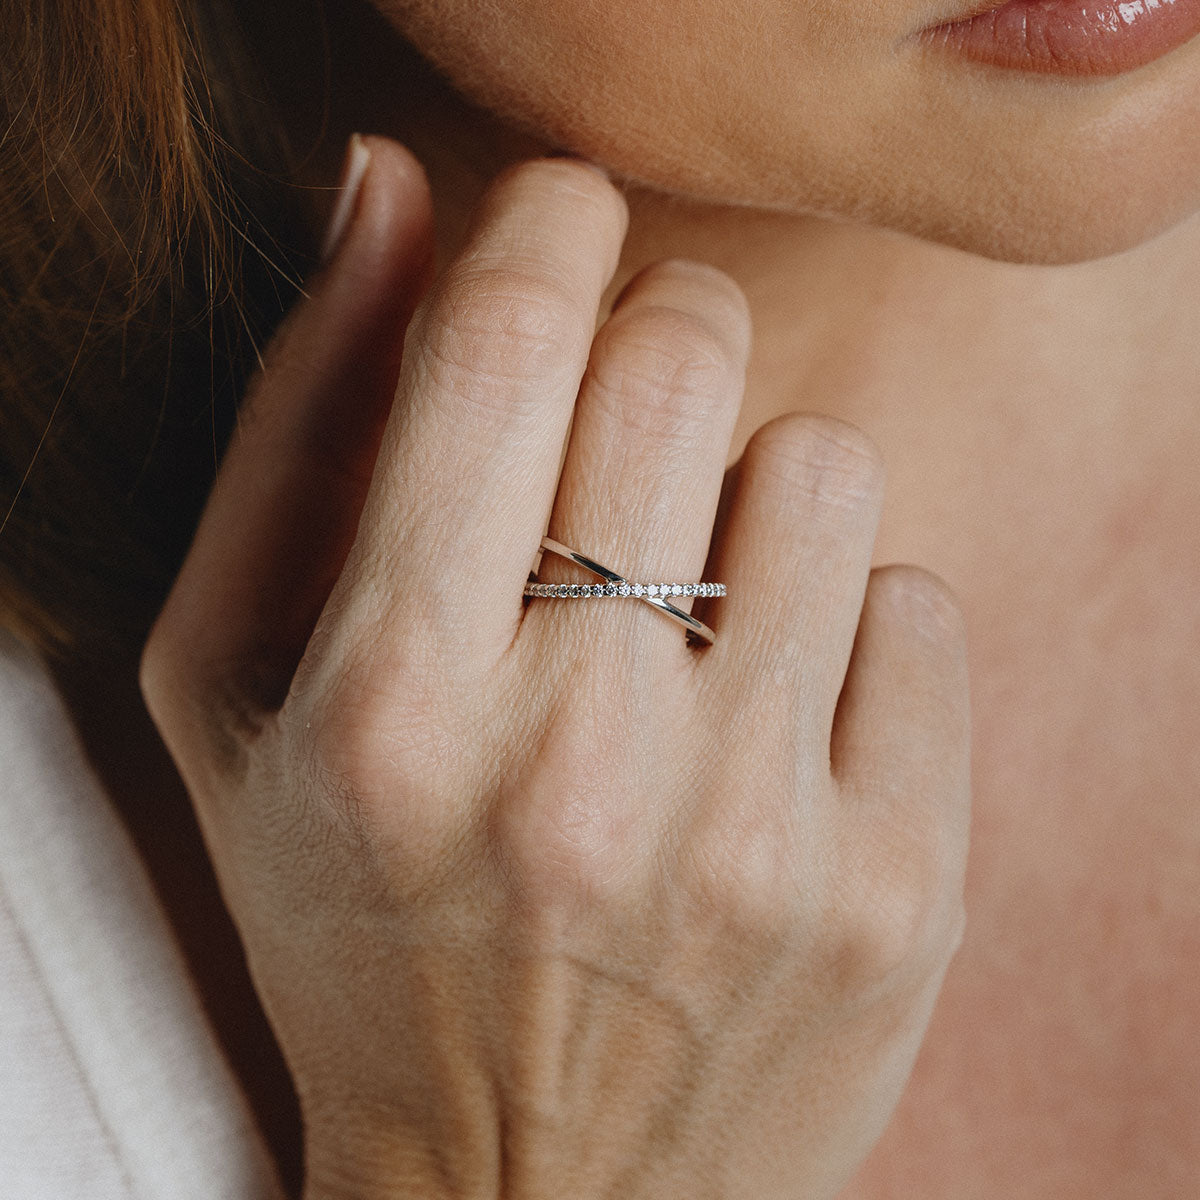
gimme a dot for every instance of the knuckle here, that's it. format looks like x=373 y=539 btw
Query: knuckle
x=897 y=912
x=497 y=322
x=662 y=367
x=833 y=463
x=871 y=943
x=709 y=290
x=378 y=776
x=380 y=770
x=564 y=833
x=343 y=736
x=741 y=875
x=202 y=711
x=368 y=738
x=559 y=852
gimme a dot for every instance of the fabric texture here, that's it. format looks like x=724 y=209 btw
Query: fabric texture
x=112 y=1084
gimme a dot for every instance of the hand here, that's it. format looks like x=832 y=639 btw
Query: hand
x=541 y=901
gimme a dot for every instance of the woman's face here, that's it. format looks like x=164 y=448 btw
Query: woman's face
x=838 y=107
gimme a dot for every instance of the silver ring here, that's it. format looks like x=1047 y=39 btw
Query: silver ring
x=618 y=585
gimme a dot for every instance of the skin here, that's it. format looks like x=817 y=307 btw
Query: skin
x=1039 y=435
x=518 y=929
x=835 y=109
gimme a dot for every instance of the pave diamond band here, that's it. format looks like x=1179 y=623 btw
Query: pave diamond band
x=573 y=590
x=617 y=585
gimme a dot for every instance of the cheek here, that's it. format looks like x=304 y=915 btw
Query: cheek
x=567 y=68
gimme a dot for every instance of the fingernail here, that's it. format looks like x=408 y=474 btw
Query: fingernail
x=354 y=167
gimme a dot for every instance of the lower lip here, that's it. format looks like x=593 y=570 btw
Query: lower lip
x=1071 y=37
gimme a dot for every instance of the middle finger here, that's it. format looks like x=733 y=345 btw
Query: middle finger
x=645 y=461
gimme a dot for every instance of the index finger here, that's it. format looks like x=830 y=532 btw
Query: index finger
x=469 y=462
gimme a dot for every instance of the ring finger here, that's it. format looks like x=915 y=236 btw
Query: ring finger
x=645 y=460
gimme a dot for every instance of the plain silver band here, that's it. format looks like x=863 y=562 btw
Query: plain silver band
x=693 y=626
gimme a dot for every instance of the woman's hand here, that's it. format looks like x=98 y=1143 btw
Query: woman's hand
x=541 y=901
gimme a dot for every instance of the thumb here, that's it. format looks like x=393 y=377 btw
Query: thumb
x=283 y=511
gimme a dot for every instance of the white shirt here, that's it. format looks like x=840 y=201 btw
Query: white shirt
x=112 y=1083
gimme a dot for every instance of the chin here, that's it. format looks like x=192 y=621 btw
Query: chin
x=1031 y=229
x=1029 y=226
x=1033 y=244
x=1043 y=174
x=1049 y=209
x=1069 y=208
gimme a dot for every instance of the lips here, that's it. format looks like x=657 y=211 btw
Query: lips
x=1069 y=37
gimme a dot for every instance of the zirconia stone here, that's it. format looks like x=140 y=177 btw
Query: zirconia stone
x=652 y=589
x=623 y=589
x=637 y=589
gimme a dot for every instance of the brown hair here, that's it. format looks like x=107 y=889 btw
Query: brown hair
x=139 y=153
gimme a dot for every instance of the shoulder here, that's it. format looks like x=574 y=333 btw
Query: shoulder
x=114 y=1083
x=33 y=720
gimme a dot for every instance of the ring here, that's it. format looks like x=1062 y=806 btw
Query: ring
x=618 y=585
